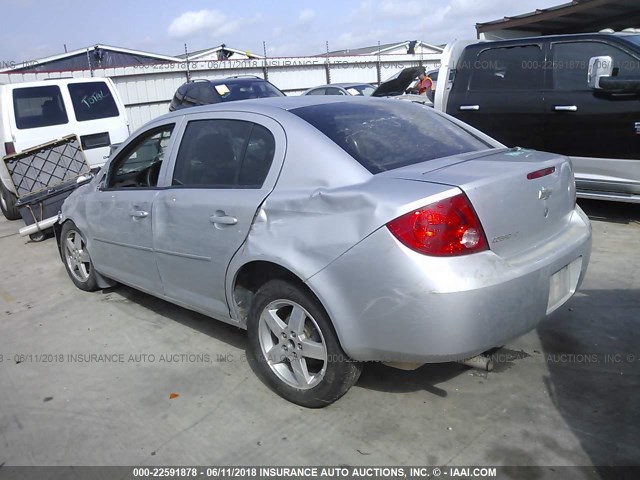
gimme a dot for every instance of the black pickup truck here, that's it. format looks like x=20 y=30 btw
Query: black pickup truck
x=578 y=95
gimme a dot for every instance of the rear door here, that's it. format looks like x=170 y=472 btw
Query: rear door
x=40 y=114
x=225 y=167
x=92 y=110
x=588 y=125
x=100 y=118
x=498 y=90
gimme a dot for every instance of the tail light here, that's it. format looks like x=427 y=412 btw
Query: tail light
x=541 y=173
x=9 y=148
x=446 y=228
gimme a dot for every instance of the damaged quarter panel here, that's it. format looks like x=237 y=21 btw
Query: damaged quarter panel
x=323 y=204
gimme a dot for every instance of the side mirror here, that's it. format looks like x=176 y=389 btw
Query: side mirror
x=599 y=68
x=84 y=178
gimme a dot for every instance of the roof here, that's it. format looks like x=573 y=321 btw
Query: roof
x=235 y=78
x=208 y=51
x=82 y=51
x=382 y=48
x=269 y=105
x=577 y=16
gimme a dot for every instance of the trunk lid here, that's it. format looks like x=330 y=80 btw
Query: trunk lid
x=399 y=84
x=517 y=213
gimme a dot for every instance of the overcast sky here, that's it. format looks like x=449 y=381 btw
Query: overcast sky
x=34 y=29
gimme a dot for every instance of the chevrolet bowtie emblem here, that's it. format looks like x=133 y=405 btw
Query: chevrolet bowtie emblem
x=544 y=193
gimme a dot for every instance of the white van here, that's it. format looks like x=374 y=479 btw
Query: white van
x=33 y=113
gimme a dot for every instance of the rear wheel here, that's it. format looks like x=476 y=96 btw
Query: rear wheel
x=76 y=258
x=294 y=347
x=8 y=204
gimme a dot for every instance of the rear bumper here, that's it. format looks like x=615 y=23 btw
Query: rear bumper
x=391 y=304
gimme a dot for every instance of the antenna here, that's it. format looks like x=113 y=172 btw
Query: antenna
x=186 y=52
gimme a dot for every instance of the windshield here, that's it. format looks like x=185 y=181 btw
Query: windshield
x=360 y=90
x=383 y=135
x=245 y=89
x=633 y=38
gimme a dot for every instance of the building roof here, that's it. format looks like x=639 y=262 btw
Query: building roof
x=382 y=48
x=120 y=57
x=577 y=16
x=209 y=51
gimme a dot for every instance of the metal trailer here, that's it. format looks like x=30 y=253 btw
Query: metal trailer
x=44 y=176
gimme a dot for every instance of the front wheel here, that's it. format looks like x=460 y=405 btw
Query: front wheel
x=294 y=347
x=76 y=258
x=8 y=204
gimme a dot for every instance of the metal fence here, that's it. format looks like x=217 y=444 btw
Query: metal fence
x=146 y=90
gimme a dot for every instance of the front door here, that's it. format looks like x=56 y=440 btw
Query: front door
x=599 y=130
x=120 y=213
x=225 y=168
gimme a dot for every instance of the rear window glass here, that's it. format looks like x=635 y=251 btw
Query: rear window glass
x=389 y=134
x=36 y=107
x=92 y=101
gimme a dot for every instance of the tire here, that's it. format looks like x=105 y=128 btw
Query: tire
x=307 y=365
x=38 y=236
x=8 y=204
x=76 y=258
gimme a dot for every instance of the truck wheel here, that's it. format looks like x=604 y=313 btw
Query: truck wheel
x=294 y=348
x=76 y=258
x=8 y=204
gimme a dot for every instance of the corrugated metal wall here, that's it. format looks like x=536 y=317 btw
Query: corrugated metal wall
x=147 y=90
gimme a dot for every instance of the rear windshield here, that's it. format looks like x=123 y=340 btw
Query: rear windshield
x=36 y=107
x=388 y=134
x=92 y=101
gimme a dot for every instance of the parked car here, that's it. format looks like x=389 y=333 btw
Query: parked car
x=354 y=89
x=336 y=230
x=33 y=113
x=572 y=94
x=205 y=92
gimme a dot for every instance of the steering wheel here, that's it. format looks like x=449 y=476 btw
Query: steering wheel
x=151 y=175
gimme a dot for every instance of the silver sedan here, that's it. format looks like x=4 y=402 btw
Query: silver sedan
x=354 y=89
x=336 y=230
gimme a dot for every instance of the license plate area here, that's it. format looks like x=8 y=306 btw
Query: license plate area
x=563 y=284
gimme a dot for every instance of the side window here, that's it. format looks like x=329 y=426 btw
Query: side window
x=258 y=158
x=211 y=153
x=317 y=91
x=508 y=68
x=139 y=165
x=571 y=63
x=92 y=101
x=36 y=107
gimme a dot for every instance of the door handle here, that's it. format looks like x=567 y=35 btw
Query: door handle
x=138 y=214
x=465 y=108
x=565 y=108
x=223 y=219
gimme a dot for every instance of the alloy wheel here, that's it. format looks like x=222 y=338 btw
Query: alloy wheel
x=76 y=256
x=293 y=344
